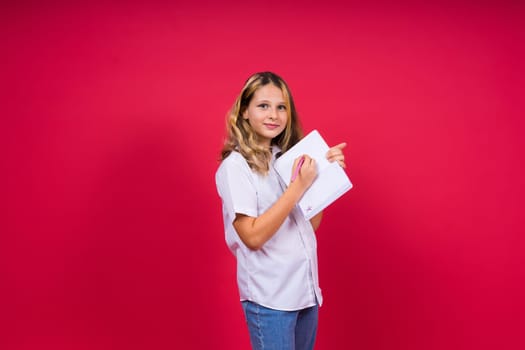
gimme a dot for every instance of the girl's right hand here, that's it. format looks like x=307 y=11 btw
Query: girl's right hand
x=307 y=173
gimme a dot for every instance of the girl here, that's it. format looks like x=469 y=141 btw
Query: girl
x=274 y=244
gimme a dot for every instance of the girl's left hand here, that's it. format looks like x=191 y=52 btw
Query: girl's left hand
x=335 y=154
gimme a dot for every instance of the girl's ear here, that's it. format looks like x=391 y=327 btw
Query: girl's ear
x=245 y=114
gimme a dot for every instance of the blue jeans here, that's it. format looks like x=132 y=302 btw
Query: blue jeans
x=280 y=330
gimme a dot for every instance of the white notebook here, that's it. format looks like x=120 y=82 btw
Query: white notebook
x=331 y=181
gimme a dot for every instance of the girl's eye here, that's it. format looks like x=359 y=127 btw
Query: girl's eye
x=282 y=108
x=263 y=105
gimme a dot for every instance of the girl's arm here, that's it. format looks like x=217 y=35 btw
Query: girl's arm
x=316 y=220
x=254 y=232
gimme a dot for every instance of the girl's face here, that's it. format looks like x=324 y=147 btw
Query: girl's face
x=267 y=113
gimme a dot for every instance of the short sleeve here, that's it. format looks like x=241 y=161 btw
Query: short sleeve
x=236 y=186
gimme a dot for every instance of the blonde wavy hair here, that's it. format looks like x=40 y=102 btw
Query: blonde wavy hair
x=240 y=135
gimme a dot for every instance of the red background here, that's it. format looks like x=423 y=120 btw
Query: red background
x=112 y=120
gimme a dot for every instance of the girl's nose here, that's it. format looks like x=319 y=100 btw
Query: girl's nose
x=272 y=113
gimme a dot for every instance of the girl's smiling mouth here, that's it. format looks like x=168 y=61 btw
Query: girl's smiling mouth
x=271 y=126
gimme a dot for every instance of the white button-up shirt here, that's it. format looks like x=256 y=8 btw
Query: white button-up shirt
x=282 y=274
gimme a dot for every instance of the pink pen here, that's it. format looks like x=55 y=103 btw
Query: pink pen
x=296 y=172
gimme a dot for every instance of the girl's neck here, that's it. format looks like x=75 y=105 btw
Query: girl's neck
x=265 y=144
